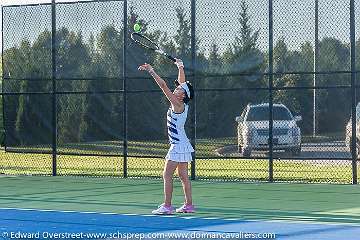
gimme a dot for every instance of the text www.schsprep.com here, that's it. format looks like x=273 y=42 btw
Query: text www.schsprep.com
x=136 y=236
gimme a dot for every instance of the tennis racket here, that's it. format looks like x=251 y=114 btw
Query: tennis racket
x=145 y=42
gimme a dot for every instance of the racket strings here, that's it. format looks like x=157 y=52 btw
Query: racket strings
x=144 y=41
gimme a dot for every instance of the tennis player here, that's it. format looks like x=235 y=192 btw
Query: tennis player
x=179 y=154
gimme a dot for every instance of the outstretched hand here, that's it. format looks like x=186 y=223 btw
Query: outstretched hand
x=179 y=63
x=145 y=67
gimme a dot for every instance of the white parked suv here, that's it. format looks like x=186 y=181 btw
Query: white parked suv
x=253 y=129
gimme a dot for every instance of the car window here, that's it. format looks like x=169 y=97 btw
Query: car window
x=262 y=114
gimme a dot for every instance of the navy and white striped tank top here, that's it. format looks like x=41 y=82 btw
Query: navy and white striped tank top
x=176 y=126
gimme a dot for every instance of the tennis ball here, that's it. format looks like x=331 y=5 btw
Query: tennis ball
x=137 y=27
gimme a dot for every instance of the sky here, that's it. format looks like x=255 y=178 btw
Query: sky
x=217 y=20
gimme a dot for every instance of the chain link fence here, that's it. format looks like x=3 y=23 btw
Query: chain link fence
x=275 y=82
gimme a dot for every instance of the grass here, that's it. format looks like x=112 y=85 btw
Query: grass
x=35 y=163
x=204 y=148
x=218 y=169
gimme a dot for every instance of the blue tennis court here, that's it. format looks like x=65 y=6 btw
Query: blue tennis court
x=47 y=224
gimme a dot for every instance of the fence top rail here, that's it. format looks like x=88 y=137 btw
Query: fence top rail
x=26 y=5
x=89 y=1
x=58 y=3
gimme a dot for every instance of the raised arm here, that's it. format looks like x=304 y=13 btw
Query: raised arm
x=181 y=74
x=161 y=83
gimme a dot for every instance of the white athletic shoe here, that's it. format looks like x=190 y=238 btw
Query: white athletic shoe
x=162 y=210
x=186 y=209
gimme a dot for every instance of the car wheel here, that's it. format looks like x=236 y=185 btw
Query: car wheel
x=246 y=152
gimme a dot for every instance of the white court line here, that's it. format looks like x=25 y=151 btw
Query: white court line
x=190 y=217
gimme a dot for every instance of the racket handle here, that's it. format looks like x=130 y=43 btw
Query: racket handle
x=171 y=58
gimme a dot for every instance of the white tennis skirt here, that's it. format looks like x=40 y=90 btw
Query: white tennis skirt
x=179 y=157
x=180 y=153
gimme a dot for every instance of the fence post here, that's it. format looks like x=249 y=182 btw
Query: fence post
x=316 y=63
x=193 y=67
x=53 y=78
x=2 y=80
x=271 y=76
x=125 y=140
x=353 y=92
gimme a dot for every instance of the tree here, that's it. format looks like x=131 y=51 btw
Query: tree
x=183 y=37
x=1 y=67
x=12 y=57
x=246 y=57
x=243 y=58
x=281 y=57
x=1 y=102
x=357 y=52
x=101 y=118
x=72 y=60
x=140 y=103
x=207 y=117
x=334 y=56
x=215 y=61
x=33 y=119
x=298 y=101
